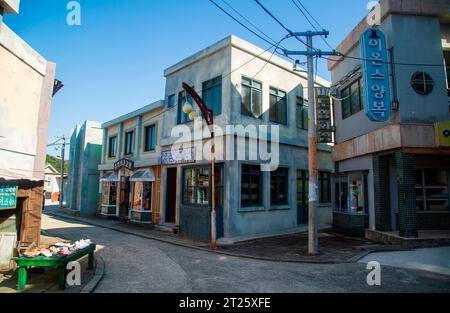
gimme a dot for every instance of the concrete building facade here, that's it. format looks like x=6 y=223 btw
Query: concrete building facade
x=394 y=175
x=83 y=177
x=130 y=168
x=27 y=85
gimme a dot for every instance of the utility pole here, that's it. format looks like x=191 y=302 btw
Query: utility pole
x=63 y=152
x=312 y=134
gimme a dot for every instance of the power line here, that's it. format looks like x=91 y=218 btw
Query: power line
x=248 y=21
x=279 y=22
x=309 y=21
x=245 y=26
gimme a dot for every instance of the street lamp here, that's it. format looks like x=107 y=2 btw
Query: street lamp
x=208 y=116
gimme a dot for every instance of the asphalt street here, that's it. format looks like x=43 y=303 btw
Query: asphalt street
x=135 y=264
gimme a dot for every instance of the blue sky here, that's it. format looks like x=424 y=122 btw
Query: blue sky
x=113 y=63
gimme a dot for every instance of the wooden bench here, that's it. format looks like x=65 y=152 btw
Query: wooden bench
x=61 y=263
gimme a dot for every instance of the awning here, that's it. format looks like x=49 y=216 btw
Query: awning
x=143 y=176
x=110 y=177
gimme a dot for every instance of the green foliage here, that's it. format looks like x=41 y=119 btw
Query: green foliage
x=56 y=163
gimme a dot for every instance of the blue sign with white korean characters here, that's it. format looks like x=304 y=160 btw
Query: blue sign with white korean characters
x=8 y=196
x=375 y=70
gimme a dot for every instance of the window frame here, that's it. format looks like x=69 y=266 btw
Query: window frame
x=345 y=178
x=215 y=82
x=132 y=194
x=218 y=186
x=183 y=118
x=108 y=192
x=251 y=85
x=125 y=150
x=112 y=153
x=304 y=108
x=349 y=97
x=256 y=173
x=275 y=92
x=276 y=176
x=169 y=98
x=155 y=143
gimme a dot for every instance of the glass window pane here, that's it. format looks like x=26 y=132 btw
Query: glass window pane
x=256 y=103
x=355 y=104
x=346 y=103
x=246 y=98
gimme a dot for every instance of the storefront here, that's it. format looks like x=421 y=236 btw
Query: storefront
x=130 y=193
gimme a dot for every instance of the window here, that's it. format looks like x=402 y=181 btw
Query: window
x=197 y=186
x=279 y=187
x=352 y=99
x=142 y=196
x=109 y=194
x=422 y=83
x=171 y=101
x=251 y=104
x=212 y=94
x=112 y=147
x=303 y=187
x=324 y=187
x=251 y=186
x=183 y=118
x=302 y=113
x=351 y=193
x=150 y=138
x=278 y=106
x=432 y=190
x=129 y=142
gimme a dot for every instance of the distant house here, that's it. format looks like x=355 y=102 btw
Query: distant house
x=52 y=185
x=84 y=157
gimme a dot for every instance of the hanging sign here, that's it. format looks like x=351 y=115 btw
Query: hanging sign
x=377 y=94
x=323 y=109
x=8 y=196
x=124 y=163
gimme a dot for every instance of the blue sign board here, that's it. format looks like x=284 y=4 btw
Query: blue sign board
x=8 y=196
x=377 y=92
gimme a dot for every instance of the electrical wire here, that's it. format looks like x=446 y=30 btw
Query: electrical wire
x=309 y=21
x=280 y=23
x=245 y=26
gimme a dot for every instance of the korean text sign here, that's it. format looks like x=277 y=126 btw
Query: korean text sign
x=377 y=93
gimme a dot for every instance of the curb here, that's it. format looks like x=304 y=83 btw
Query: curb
x=99 y=273
x=56 y=214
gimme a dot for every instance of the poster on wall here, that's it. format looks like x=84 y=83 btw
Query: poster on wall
x=183 y=156
x=8 y=196
x=375 y=71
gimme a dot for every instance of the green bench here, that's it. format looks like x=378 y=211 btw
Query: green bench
x=61 y=263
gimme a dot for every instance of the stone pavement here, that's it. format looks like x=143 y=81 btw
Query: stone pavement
x=287 y=248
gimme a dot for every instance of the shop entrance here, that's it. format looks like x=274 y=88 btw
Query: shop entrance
x=171 y=195
x=302 y=197
x=124 y=197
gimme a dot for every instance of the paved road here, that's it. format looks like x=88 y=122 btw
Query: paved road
x=135 y=264
x=435 y=260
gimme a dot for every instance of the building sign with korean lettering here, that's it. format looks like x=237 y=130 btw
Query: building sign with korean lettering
x=377 y=94
x=8 y=196
x=323 y=109
x=180 y=156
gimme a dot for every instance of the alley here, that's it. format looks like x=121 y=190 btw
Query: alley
x=136 y=264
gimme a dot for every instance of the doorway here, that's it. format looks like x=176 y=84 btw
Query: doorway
x=302 y=197
x=124 y=204
x=171 y=199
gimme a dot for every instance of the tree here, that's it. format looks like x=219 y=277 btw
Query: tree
x=56 y=163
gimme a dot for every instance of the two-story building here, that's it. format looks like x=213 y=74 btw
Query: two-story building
x=395 y=175
x=244 y=86
x=131 y=166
